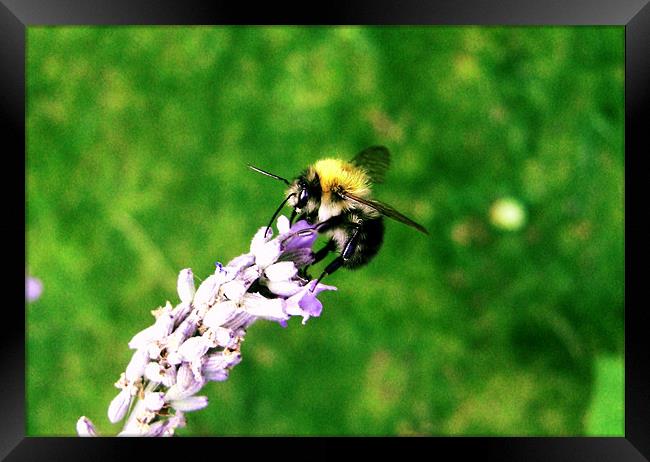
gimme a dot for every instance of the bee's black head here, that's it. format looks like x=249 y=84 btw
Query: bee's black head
x=307 y=191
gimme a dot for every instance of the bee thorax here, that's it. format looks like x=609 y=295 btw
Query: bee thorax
x=328 y=210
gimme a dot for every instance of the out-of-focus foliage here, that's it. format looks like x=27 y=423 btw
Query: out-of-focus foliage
x=606 y=414
x=138 y=140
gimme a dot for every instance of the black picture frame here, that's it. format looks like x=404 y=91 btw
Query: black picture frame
x=17 y=15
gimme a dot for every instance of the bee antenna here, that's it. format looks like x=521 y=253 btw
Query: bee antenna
x=263 y=172
x=277 y=213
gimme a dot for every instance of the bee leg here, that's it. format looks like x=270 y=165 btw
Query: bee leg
x=328 y=224
x=318 y=256
x=351 y=245
x=321 y=227
x=322 y=253
x=329 y=269
x=348 y=250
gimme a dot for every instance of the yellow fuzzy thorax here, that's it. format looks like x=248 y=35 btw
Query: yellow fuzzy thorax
x=335 y=173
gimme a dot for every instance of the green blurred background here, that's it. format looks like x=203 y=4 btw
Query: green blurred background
x=495 y=324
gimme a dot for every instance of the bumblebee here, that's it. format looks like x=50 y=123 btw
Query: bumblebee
x=335 y=197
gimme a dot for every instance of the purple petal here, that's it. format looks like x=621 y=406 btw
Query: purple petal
x=222 y=336
x=234 y=290
x=155 y=429
x=135 y=368
x=260 y=306
x=154 y=401
x=191 y=403
x=249 y=275
x=161 y=427
x=310 y=304
x=207 y=290
x=268 y=253
x=85 y=427
x=220 y=360
x=184 y=376
x=160 y=329
x=217 y=376
x=193 y=347
x=296 y=241
x=300 y=257
x=185 y=286
x=300 y=225
x=186 y=384
x=169 y=376
x=282 y=271
x=283 y=224
x=260 y=238
x=33 y=288
x=154 y=372
x=321 y=287
x=219 y=314
x=240 y=262
x=174 y=422
x=304 y=303
x=284 y=288
x=118 y=407
x=182 y=332
x=180 y=312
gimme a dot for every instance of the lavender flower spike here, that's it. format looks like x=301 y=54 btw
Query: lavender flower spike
x=199 y=340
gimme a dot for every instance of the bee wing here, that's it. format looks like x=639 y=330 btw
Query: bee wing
x=387 y=211
x=375 y=160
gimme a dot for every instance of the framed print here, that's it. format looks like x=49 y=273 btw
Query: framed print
x=362 y=227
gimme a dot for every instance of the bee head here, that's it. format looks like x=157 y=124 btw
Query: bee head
x=306 y=192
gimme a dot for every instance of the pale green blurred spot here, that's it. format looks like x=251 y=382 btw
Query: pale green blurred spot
x=52 y=68
x=385 y=127
x=606 y=413
x=385 y=382
x=499 y=405
x=475 y=39
x=54 y=110
x=516 y=139
x=311 y=83
x=467 y=68
x=278 y=37
x=535 y=179
x=508 y=214
x=117 y=95
x=349 y=34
